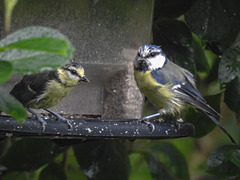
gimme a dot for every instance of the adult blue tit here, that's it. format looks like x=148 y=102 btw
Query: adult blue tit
x=168 y=86
x=45 y=90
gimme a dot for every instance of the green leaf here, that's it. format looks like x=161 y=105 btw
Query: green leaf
x=157 y=168
x=4 y=145
x=5 y=71
x=172 y=165
x=234 y=156
x=176 y=41
x=103 y=159
x=73 y=172
x=30 y=154
x=229 y=66
x=139 y=167
x=213 y=20
x=21 y=176
x=14 y=175
x=38 y=63
x=11 y=106
x=199 y=57
x=57 y=46
x=171 y=8
x=52 y=171
x=35 y=49
x=203 y=125
x=232 y=95
x=221 y=166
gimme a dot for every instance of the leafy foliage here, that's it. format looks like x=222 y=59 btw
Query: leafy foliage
x=234 y=156
x=11 y=106
x=52 y=171
x=174 y=165
x=29 y=154
x=35 y=49
x=103 y=158
x=215 y=21
x=220 y=165
x=5 y=71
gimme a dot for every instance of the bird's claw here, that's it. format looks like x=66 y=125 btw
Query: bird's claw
x=65 y=120
x=43 y=126
x=150 y=124
x=43 y=123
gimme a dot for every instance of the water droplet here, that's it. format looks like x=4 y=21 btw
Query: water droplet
x=232 y=77
x=225 y=10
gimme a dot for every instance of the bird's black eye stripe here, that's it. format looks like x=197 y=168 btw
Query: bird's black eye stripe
x=72 y=71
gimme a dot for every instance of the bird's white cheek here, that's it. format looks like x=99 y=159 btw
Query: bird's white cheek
x=157 y=62
x=72 y=79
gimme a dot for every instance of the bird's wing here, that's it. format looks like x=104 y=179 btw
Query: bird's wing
x=31 y=86
x=183 y=86
x=192 y=96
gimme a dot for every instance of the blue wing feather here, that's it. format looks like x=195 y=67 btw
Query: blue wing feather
x=193 y=97
x=158 y=78
x=186 y=92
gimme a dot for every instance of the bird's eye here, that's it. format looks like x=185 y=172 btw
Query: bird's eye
x=73 y=72
x=152 y=54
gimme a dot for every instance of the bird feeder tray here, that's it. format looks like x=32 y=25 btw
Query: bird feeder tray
x=95 y=128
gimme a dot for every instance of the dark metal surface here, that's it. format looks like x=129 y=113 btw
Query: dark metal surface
x=94 y=128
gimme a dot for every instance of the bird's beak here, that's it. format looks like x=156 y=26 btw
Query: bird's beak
x=143 y=61
x=84 y=79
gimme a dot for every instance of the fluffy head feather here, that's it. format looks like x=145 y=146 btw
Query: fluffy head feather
x=150 y=57
x=71 y=74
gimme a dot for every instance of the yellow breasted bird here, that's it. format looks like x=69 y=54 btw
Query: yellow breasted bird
x=45 y=90
x=169 y=87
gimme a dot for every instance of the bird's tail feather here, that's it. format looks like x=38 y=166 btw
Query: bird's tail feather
x=220 y=126
x=213 y=115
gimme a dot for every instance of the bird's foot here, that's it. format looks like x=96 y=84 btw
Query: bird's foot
x=63 y=119
x=67 y=121
x=146 y=120
x=178 y=123
x=42 y=122
x=150 y=124
x=40 y=119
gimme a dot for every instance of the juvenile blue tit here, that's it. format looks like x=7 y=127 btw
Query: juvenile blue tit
x=169 y=87
x=45 y=90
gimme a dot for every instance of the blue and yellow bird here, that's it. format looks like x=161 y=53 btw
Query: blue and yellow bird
x=45 y=90
x=169 y=87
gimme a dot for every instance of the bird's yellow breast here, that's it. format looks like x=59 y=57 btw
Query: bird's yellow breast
x=53 y=94
x=158 y=94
